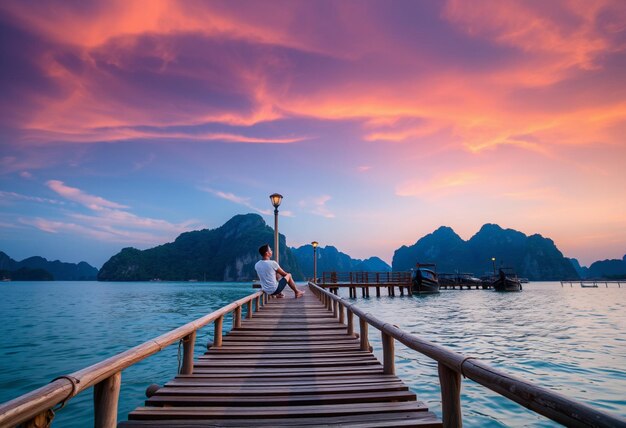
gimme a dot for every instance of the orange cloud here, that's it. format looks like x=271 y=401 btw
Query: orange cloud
x=440 y=185
x=566 y=30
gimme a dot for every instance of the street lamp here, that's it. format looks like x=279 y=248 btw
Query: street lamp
x=493 y=261
x=276 y=199
x=315 y=244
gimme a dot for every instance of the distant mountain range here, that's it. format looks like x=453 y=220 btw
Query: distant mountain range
x=609 y=269
x=227 y=253
x=533 y=257
x=330 y=259
x=39 y=269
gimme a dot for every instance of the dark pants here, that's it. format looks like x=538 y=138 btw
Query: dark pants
x=281 y=286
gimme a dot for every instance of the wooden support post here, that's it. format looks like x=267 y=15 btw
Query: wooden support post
x=450 y=382
x=365 y=345
x=362 y=291
x=389 y=365
x=106 y=395
x=409 y=290
x=188 y=344
x=257 y=303
x=249 y=311
x=350 y=317
x=401 y=290
x=341 y=316
x=353 y=292
x=377 y=291
x=42 y=420
x=237 y=317
x=217 y=336
x=367 y=291
x=335 y=309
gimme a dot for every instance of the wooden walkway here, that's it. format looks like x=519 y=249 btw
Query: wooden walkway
x=291 y=364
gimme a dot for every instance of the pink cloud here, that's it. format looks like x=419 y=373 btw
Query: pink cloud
x=76 y=195
x=17 y=196
x=240 y=200
x=317 y=206
x=566 y=30
x=110 y=223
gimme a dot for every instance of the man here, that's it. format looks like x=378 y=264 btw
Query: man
x=268 y=271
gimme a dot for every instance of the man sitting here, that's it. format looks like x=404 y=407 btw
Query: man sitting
x=268 y=271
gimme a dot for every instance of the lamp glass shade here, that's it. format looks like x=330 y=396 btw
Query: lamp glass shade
x=315 y=244
x=276 y=199
x=493 y=259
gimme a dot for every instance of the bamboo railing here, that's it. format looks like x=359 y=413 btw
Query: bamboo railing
x=33 y=408
x=452 y=365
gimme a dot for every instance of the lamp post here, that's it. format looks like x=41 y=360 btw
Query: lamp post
x=276 y=199
x=315 y=244
x=493 y=262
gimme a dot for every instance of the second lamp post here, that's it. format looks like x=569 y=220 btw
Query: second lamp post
x=315 y=244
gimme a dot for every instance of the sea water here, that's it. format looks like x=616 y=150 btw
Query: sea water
x=569 y=339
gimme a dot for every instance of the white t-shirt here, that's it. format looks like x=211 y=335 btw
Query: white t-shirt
x=266 y=269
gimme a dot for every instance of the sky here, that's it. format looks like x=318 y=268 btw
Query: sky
x=125 y=122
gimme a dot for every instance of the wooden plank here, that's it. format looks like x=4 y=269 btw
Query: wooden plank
x=285 y=364
x=222 y=356
x=253 y=412
x=288 y=371
x=244 y=389
x=344 y=380
x=280 y=400
x=391 y=419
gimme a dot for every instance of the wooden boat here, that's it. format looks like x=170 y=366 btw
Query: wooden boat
x=459 y=279
x=588 y=284
x=424 y=279
x=507 y=281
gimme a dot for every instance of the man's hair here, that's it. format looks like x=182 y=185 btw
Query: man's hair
x=264 y=249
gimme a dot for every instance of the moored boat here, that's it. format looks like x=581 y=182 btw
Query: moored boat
x=507 y=281
x=424 y=279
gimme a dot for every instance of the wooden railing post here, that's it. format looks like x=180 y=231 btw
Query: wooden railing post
x=257 y=303
x=188 y=345
x=237 y=317
x=341 y=316
x=217 y=336
x=335 y=308
x=106 y=396
x=249 y=309
x=365 y=345
x=389 y=364
x=450 y=382
x=350 y=316
x=42 y=420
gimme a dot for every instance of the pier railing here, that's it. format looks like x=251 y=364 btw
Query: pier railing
x=34 y=409
x=452 y=365
x=366 y=277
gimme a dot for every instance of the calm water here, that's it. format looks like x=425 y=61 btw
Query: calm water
x=571 y=340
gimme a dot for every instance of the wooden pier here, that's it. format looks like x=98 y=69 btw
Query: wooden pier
x=594 y=283
x=291 y=362
x=378 y=281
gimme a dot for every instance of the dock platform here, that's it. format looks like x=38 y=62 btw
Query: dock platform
x=292 y=364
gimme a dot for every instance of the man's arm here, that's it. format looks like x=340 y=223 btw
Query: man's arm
x=281 y=272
